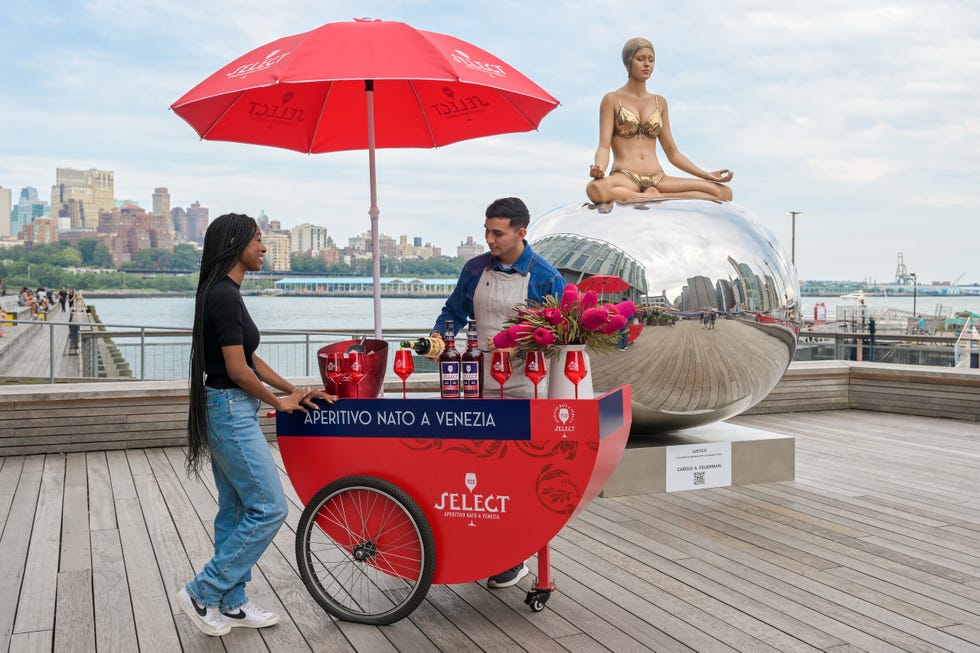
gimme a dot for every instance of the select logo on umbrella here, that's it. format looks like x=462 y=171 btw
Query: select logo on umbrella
x=491 y=69
x=270 y=60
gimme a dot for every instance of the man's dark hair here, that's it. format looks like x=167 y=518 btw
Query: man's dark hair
x=513 y=209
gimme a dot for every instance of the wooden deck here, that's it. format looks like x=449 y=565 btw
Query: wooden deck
x=875 y=547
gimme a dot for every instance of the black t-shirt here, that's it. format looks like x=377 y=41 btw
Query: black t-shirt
x=226 y=322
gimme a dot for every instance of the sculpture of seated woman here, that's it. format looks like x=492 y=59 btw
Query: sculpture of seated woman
x=631 y=121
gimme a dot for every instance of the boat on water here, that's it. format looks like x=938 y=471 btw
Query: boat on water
x=857 y=295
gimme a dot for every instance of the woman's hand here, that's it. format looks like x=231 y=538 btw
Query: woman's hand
x=299 y=398
x=596 y=172
x=720 y=176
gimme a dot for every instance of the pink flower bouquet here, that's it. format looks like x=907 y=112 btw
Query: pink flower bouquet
x=572 y=319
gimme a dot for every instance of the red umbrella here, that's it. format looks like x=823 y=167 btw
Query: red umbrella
x=603 y=283
x=361 y=85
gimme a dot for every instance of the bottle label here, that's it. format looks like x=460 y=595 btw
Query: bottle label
x=471 y=379
x=449 y=379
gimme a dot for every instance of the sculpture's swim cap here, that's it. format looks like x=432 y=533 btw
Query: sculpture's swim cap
x=631 y=47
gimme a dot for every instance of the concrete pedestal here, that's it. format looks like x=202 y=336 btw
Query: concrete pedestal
x=757 y=456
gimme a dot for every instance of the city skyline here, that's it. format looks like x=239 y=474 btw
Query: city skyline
x=858 y=115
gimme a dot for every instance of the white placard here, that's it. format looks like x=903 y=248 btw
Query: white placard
x=699 y=466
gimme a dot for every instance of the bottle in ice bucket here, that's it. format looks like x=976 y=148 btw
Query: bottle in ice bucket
x=449 y=366
x=428 y=347
x=472 y=365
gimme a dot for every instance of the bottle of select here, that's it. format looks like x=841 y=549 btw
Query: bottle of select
x=425 y=346
x=449 y=362
x=471 y=365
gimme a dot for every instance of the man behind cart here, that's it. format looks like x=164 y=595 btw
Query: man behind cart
x=489 y=288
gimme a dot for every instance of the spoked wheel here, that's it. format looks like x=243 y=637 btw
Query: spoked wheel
x=365 y=550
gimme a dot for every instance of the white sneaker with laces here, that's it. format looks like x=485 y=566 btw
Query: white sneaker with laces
x=250 y=616
x=208 y=620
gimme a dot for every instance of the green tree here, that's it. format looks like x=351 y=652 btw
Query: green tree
x=186 y=257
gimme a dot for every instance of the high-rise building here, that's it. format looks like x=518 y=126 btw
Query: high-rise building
x=81 y=194
x=127 y=230
x=5 y=206
x=161 y=201
x=27 y=209
x=197 y=222
x=308 y=238
x=40 y=231
x=277 y=251
x=469 y=249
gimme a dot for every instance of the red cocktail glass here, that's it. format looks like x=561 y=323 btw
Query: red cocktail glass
x=575 y=368
x=534 y=368
x=500 y=368
x=356 y=368
x=335 y=369
x=404 y=366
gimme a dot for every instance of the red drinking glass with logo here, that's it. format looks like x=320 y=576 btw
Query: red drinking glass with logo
x=356 y=368
x=534 y=368
x=575 y=368
x=335 y=369
x=404 y=366
x=500 y=368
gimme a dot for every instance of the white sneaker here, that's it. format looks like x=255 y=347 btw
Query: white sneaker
x=208 y=620
x=250 y=616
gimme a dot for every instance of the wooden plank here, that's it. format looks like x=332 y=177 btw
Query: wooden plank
x=36 y=608
x=38 y=640
x=101 y=512
x=75 y=626
x=76 y=554
x=15 y=541
x=10 y=469
x=115 y=628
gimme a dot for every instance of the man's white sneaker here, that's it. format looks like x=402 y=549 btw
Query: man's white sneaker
x=208 y=620
x=250 y=616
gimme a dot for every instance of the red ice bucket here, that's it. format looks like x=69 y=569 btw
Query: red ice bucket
x=376 y=362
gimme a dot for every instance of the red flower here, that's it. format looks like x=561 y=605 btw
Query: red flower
x=520 y=332
x=626 y=309
x=594 y=318
x=568 y=297
x=553 y=315
x=503 y=340
x=544 y=336
x=615 y=323
x=589 y=299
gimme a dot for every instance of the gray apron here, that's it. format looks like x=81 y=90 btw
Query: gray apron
x=496 y=295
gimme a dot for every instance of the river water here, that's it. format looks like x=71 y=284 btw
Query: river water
x=301 y=313
x=166 y=357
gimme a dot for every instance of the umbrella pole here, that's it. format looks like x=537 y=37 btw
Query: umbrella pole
x=374 y=211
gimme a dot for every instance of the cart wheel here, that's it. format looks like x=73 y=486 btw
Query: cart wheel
x=536 y=599
x=365 y=550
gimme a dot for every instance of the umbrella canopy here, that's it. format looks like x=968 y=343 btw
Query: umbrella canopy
x=361 y=85
x=603 y=283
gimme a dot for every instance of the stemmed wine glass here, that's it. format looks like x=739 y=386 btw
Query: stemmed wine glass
x=404 y=366
x=356 y=369
x=575 y=367
x=335 y=369
x=500 y=368
x=534 y=368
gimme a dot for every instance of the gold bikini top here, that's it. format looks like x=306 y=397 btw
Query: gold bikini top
x=628 y=124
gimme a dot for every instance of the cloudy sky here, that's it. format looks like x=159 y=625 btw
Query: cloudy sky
x=864 y=115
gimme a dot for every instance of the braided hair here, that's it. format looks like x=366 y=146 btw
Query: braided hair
x=224 y=242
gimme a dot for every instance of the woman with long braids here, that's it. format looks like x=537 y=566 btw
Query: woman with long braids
x=228 y=383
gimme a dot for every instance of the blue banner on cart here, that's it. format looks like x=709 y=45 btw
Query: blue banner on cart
x=473 y=419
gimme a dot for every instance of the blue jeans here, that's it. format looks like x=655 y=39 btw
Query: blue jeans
x=251 y=503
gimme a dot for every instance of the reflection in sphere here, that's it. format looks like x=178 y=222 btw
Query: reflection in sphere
x=684 y=260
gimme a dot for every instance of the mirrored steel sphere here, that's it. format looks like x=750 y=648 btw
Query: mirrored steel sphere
x=720 y=303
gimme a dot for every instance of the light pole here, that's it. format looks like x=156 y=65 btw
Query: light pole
x=792 y=251
x=915 y=289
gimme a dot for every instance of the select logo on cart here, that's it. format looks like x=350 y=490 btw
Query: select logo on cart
x=470 y=504
x=564 y=417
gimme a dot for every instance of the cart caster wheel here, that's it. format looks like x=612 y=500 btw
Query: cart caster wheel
x=365 y=550
x=536 y=599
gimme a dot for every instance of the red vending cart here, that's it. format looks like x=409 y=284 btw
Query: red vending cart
x=403 y=493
